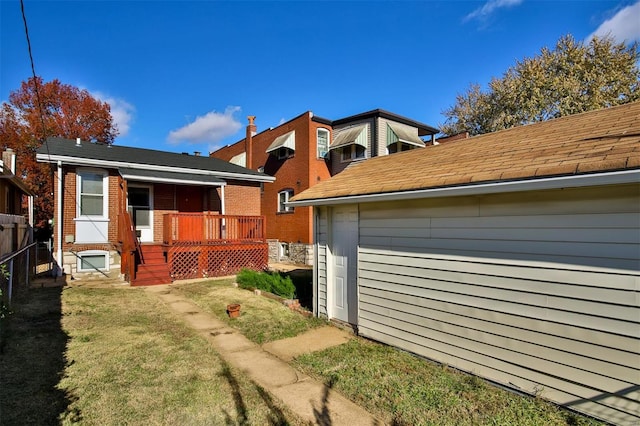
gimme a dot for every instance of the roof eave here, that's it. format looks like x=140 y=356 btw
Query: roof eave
x=76 y=161
x=556 y=182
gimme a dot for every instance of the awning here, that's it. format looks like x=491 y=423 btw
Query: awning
x=356 y=135
x=287 y=140
x=397 y=133
x=170 y=177
x=240 y=159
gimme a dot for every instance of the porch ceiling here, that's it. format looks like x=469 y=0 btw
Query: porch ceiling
x=170 y=177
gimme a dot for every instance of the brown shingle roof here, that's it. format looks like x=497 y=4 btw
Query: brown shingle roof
x=595 y=141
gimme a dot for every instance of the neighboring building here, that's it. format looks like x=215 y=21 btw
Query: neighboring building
x=101 y=188
x=16 y=207
x=513 y=255
x=306 y=150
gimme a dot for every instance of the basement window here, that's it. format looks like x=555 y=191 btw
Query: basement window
x=93 y=260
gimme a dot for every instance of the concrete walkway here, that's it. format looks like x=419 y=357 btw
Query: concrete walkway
x=268 y=366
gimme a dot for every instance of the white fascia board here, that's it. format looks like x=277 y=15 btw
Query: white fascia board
x=74 y=161
x=575 y=181
x=165 y=180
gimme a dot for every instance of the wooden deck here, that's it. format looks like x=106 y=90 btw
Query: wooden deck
x=194 y=245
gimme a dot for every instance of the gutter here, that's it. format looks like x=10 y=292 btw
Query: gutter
x=75 y=161
x=574 y=181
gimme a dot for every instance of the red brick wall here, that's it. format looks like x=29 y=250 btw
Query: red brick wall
x=241 y=199
x=69 y=211
x=299 y=172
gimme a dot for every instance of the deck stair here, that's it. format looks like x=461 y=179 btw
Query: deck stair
x=152 y=267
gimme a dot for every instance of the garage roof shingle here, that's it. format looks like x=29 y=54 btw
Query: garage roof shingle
x=596 y=141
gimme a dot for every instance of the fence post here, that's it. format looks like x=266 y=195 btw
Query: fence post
x=27 y=267
x=10 y=279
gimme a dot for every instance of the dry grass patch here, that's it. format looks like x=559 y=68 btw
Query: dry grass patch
x=131 y=361
x=262 y=319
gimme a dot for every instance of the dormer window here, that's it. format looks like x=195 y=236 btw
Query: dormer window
x=352 y=152
x=400 y=138
x=351 y=143
x=283 y=146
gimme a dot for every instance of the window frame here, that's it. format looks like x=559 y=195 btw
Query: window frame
x=400 y=147
x=320 y=130
x=92 y=253
x=284 y=153
x=105 y=192
x=282 y=208
x=352 y=149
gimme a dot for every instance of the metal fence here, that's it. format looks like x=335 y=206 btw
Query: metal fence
x=19 y=269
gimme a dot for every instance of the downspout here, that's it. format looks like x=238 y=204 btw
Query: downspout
x=223 y=212
x=374 y=137
x=222 y=207
x=59 y=221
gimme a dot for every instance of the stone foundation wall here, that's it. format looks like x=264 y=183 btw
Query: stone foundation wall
x=70 y=267
x=297 y=253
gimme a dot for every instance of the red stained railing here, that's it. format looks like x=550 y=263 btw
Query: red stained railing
x=208 y=245
x=129 y=246
x=203 y=228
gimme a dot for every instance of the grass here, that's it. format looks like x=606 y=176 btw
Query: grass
x=118 y=356
x=402 y=389
x=99 y=356
x=399 y=388
x=262 y=319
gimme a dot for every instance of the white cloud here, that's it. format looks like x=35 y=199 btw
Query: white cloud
x=489 y=7
x=624 y=26
x=121 y=112
x=211 y=127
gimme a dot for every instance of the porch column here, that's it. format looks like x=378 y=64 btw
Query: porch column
x=59 y=221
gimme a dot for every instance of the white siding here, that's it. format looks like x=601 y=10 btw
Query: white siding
x=320 y=271
x=537 y=291
x=335 y=160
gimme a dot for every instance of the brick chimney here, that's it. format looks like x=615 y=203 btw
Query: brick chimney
x=9 y=160
x=248 y=141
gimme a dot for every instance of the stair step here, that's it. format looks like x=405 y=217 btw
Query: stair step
x=144 y=282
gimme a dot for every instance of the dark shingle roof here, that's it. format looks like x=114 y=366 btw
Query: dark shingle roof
x=133 y=158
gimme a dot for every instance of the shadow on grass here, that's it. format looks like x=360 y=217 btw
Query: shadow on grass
x=276 y=416
x=32 y=360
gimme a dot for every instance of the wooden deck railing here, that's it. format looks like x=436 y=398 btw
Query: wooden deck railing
x=129 y=245
x=199 y=228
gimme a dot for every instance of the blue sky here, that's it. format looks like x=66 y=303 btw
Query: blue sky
x=183 y=75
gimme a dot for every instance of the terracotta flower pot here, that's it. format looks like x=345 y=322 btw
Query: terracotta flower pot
x=233 y=310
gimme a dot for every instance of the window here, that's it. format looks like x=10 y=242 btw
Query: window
x=139 y=206
x=92 y=193
x=352 y=152
x=322 y=142
x=283 y=198
x=92 y=260
x=284 y=153
x=399 y=147
x=92 y=201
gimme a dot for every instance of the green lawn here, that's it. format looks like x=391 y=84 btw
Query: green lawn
x=101 y=356
x=397 y=387
x=403 y=389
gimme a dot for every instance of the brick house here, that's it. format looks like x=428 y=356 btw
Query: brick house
x=309 y=149
x=104 y=193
